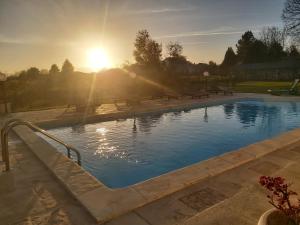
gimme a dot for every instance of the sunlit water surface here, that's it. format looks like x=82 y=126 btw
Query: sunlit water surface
x=125 y=152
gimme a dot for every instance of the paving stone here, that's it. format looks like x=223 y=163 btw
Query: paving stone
x=30 y=195
x=167 y=211
x=128 y=219
x=265 y=167
x=105 y=204
x=203 y=199
x=296 y=149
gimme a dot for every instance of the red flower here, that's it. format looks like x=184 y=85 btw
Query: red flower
x=279 y=196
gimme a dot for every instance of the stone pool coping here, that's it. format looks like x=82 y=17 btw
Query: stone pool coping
x=105 y=204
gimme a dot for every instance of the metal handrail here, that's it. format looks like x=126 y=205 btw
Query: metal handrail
x=2 y=134
x=16 y=122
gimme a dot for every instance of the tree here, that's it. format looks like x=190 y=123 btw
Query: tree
x=258 y=52
x=275 y=52
x=54 y=69
x=213 y=68
x=153 y=53
x=270 y=35
x=230 y=58
x=293 y=51
x=147 y=51
x=175 y=62
x=291 y=17
x=174 y=49
x=244 y=45
x=32 y=73
x=67 y=68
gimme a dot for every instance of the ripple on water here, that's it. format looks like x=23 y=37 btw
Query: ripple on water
x=124 y=152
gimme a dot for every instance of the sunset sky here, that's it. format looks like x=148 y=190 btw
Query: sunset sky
x=42 y=32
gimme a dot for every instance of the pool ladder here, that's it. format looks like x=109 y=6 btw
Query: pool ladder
x=17 y=122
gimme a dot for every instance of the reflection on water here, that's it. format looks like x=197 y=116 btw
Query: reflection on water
x=78 y=129
x=228 y=110
x=247 y=113
x=205 y=115
x=124 y=152
x=134 y=129
x=147 y=122
x=102 y=131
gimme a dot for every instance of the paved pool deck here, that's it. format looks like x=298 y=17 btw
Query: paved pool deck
x=29 y=194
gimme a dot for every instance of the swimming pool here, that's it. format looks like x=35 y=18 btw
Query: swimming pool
x=124 y=152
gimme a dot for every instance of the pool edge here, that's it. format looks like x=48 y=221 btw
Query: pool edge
x=104 y=203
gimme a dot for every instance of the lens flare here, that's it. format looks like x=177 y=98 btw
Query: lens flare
x=97 y=59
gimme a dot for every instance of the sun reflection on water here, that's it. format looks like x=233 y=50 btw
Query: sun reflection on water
x=107 y=149
x=102 y=130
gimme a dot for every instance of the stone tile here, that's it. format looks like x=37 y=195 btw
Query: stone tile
x=243 y=208
x=219 y=216
x=223 y=184
x=296 y=149
x=240 y=175
x=105 y=204
x=258 y=149
x=216 y=165
x=81 y=183
x=128 y=219
x=19 y=204
x=63 y=168
x=270 y=144
x=238 y=157
x=167 y=211
x=29 y=194
x=171 y=182
x=265 y=168
x=290 y=155
x=203 y=199
x=286 y=138
x=277 y=159
x=292 y=174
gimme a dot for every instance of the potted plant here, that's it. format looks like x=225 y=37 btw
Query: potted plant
x=286 y=209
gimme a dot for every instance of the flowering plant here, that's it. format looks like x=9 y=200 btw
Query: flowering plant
x=282 y=198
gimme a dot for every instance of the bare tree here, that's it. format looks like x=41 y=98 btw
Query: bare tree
x=174 y=49
x=271 y=35
x=291 y=17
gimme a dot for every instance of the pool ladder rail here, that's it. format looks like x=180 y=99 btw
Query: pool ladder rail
x=10 y=124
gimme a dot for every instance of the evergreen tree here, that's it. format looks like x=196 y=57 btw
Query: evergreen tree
x=244 y=45
x=258 y=52
x=276 y=52
x=67 y=68
x=54 y=69
x=230 y=58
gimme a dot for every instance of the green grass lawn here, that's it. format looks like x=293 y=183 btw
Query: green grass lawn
x=261 y=86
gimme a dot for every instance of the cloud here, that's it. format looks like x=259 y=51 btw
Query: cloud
x=195 y=43
x=196 y=34
x=9 y=40
x=221 y=31
x=161 y=11
x=33 y=41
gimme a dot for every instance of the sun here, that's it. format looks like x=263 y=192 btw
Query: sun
x=97 y=59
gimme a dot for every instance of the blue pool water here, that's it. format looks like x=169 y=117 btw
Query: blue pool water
x=125 y=152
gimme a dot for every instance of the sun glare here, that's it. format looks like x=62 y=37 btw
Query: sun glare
x=97 y=59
